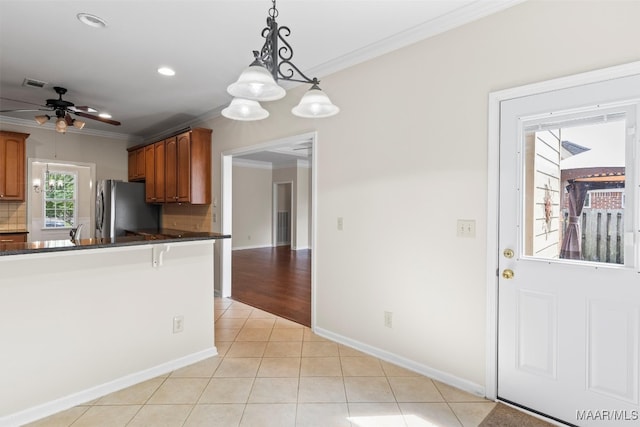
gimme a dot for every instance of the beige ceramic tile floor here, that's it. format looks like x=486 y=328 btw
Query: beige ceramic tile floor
x=273 y=372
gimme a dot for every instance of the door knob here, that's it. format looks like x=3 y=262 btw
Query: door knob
x=507 y=274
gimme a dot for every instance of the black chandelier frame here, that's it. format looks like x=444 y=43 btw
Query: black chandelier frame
x=277 y=60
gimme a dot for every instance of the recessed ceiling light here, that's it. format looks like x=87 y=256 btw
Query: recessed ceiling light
x=166 y=71
x=104 y=115
x=91 y=20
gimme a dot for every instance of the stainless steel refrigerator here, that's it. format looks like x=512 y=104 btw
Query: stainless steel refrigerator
x=120 y=207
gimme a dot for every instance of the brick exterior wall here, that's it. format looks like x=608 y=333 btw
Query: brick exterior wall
x=606 y=200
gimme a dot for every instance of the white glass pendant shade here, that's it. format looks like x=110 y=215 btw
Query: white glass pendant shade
x=256 y=83
x=315 y=104
x=245 y=110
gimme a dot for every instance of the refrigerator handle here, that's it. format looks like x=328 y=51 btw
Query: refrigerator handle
x=100 y=211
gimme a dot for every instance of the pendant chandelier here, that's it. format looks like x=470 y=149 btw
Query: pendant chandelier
x=258 y=82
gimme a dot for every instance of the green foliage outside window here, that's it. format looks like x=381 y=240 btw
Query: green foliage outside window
x=60 y=200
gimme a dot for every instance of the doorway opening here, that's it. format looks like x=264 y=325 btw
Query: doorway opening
x=561 y=232
x=302 y=207
x=282 y=213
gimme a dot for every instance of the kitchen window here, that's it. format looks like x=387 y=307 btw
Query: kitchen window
x=60 y=199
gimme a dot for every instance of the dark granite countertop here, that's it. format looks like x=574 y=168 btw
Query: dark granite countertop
x=137 y=237
x=14 y=232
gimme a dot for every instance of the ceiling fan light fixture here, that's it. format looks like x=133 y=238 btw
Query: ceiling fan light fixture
x=91 y=20
x=42 y=119
x=245 y=110
x=78 y=124
x=61 y=125
x=315 y=104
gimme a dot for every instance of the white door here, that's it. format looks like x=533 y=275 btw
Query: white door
x=569 y=277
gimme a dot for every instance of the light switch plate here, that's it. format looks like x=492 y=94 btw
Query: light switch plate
x=466 y=228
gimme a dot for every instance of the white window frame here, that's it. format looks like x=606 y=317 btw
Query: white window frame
x=75 y=199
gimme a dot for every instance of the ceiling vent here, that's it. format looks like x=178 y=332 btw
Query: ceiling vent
x=33 y=83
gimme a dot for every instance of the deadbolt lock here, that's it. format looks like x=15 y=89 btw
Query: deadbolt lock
x=508 y=253
x=507 y=274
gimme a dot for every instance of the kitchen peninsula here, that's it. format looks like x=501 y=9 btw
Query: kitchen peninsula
x=79 y=320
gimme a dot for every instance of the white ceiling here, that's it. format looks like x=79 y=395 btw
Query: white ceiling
x=208 y=43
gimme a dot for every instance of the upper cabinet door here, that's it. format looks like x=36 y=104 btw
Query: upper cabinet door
x=171 y=169
x=178 y=169
x=184 y=167
x=12 y=160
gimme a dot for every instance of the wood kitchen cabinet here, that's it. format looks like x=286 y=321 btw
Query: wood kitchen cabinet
x=155 y=172
x=188 y=167
x=176 y=169
x=13 y=237
x=137 y=164
x=12 y=161
x=8 y=238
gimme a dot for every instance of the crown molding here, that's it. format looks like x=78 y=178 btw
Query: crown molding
x=255 y=164
x=457 y=18
x=70 y=129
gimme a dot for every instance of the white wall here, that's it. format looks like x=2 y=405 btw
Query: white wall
x=79 y=324
x=402 y=169
x=251 y=207
x=299 y=176
x=303 y=202
x=109 y=154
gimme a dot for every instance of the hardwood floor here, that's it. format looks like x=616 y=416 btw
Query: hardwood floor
x=277 y=280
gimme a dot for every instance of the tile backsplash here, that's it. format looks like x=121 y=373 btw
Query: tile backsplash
x=186 y=217
x=13 y=216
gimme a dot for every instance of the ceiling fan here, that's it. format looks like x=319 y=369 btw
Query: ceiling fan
x=63 y=110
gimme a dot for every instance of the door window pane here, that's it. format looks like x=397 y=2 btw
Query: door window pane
x=574 y=189
x=60 y=200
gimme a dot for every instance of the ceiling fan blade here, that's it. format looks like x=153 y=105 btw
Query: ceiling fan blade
x=100 y=119
x=22 y=102
x=68 y=119
x=17 y=111
x=83 y=108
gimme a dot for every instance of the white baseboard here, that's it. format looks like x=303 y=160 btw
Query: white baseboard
x=239 y=248
x=75 y=399
x=411 y=365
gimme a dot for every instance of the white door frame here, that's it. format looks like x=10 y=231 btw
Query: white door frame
x=274 y=213
x=226 y=172
x=493 y=167
x=92 y=185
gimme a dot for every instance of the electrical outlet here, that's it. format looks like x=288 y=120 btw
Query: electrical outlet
x=178 y=324
x=466 y=228
x=388 y=319
x=340 y=223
